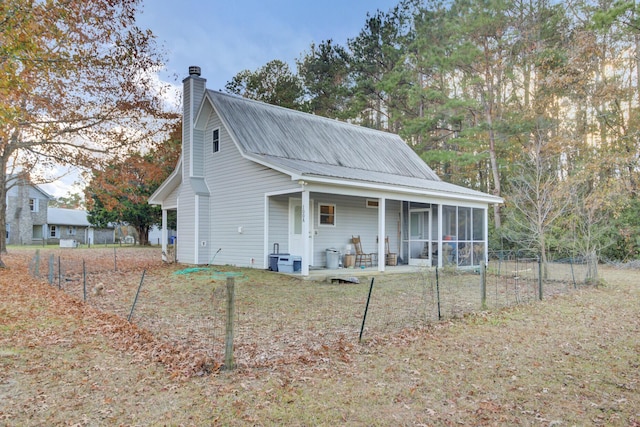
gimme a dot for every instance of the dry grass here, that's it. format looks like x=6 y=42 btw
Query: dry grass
x=569 y=360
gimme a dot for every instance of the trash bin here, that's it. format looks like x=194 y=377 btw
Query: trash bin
x=297 y=264
x=333 y=259
x=274 y=257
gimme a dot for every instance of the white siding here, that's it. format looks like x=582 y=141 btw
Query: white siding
x=204 y=240
x=172 y=199
x=185 y=232
x=238 y=188
x=352 y=219
x=279 y=222
x=198 y=153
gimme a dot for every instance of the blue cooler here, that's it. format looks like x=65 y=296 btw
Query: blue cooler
x=285 y=264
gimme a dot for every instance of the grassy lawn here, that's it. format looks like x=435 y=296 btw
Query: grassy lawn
x=572 y=359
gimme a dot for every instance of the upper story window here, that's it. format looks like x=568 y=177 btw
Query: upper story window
x=33 y=205
x=327 y=214
x=216 y=140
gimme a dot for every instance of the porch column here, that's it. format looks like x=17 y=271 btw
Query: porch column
x=382 y=258
x=440 y=253
x=486 y=236
x=164 y=235
x=306 y=234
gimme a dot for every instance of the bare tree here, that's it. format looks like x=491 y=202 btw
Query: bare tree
x=76 y=85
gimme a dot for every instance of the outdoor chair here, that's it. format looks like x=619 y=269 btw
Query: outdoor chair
x=361 y=257
x=464 y=254
x=390 y=258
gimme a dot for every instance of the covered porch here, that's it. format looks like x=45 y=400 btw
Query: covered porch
x=399 y=232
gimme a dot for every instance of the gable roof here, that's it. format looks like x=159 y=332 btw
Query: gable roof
x=61 y=216
x=303 y=144
x=16 y=180
x=274 y=132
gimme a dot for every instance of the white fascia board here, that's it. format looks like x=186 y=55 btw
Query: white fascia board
x=169 y=184
x=295 y=176
x=349 y=187
x=202 y=122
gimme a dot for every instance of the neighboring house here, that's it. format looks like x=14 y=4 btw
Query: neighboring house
x=26 y=212
x=72 y=224
x=252 y=175
x=30 y=221
x=155 y=235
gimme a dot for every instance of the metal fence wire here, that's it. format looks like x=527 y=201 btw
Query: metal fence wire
x=289 y=319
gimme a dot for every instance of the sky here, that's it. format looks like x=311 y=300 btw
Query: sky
x=224 y=38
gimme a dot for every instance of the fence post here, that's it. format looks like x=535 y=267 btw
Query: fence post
x=540 y=278
x=52 y=264
x=438 y=293
x=228 y=342
x=115 y=260
x=84 y=282
x=135 y=300
x=573 y=277
x=36 y=268
x=366 y=309
x=483 y=286
x=59 y=273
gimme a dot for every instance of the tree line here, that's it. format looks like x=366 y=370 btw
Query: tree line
x=532 y=100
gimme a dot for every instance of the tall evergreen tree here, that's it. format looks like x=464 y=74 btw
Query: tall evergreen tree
x=324 y=72
x=274 y=83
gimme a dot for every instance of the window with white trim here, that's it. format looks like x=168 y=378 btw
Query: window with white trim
x=53 y=231
x=33 y=205
x=216 y=140
x=71 y=230
x=326 y=215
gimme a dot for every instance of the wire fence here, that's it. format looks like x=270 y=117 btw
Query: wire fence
x=280 y=319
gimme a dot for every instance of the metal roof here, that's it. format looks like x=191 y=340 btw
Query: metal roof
x=303 y=144
x=319 y=170
x=280 y=133
x=61 y=216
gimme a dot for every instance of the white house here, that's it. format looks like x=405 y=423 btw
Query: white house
x=252 y=175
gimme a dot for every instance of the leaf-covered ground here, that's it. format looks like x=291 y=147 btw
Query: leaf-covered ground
x=569 y=360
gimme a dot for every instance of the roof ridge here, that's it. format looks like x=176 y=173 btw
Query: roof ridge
x=302 y=113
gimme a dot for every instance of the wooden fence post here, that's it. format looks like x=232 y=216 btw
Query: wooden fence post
x=228 y=347
x=483 y=286
x=36 y=268
x=540 y=278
